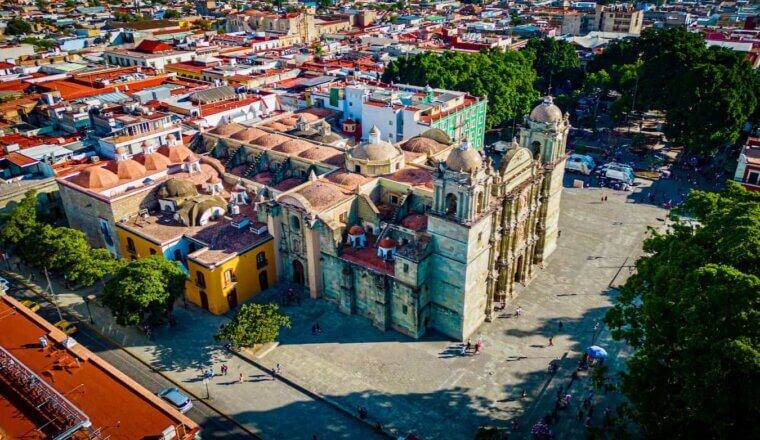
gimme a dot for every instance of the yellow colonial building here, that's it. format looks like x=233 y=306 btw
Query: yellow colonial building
x=227 y=254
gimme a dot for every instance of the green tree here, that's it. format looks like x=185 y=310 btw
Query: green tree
x=324 y=4
x=556 y=62
x=253 y=324
x=171 y=14
x=205 y=25
x=692 y=313
x=144 y=289
x=92 y=267
x=21 y=222
x=706 y=93
x=69 y=4
x=514 y=17
x=505 y=77
x=18 y=27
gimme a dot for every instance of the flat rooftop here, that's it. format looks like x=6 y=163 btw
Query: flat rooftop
x=116 y=406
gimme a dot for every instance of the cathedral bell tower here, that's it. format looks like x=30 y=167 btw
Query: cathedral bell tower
x=545 y=134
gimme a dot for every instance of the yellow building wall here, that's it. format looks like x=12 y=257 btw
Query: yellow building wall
x=185 y=73
x=246 y=275
x=142 y=245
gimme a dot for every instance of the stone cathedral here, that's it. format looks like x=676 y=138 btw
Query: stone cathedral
x=419 y=235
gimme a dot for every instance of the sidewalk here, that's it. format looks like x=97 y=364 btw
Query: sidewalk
x=270 y=408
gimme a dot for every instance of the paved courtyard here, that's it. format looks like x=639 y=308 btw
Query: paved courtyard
x=425 y=387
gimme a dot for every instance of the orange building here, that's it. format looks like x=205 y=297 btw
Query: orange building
x=66 y=391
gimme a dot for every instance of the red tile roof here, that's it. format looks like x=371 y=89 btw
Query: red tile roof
x=20 y=160
x=114 y=403
x=152 y=46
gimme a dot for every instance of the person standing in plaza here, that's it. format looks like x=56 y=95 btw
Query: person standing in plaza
x=240 y=377
x=518 y=312
x=551 y=341
x=224 y=369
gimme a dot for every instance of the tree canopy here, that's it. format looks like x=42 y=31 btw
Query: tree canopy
x=253 y=324
x=692 y=312
x=505 y=77
x=556 y=62
x=171 y=14
x=706 y=93
x=144 y=289
x=58 y=249
x=18 y=27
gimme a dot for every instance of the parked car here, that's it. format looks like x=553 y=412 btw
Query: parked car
x=617 y=172
x=66 y=327
x=177 y=399
x=31 y=305
x=580 y=163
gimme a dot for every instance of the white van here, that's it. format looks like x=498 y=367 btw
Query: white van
x=620 y=172
x=580 y=163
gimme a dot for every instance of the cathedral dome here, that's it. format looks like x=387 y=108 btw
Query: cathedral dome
x=227 y=129
x=464 y=159
x=177 y=188
x=96 y=177
x=423 y=145
x=124 y=167
x=437 y=135
x=375 y=149
x=248 y=134
x=546 y=112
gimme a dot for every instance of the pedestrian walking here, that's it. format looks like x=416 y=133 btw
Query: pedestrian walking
x=524 y=394
x=551 y=341
x=469 y=344
x=477 y=347
x=463 y=350
x=518 y=312
x=274 y=373
x=211 y=372
x=240 y=377
x=224 y=369
x=278 y=367
x=559 y=234
x=561 y=325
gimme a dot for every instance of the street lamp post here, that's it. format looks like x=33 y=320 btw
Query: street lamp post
x=205 y=382
x=87 y=300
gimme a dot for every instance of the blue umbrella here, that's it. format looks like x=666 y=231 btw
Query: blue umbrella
x=596 y=352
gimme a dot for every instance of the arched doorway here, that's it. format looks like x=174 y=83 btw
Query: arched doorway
x=263 y=280
x=232 y=299
x=298 y=273
x=519 y=269
x=204 y=300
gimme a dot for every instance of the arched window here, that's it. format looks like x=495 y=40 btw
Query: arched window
x=228 y=277
x=451 y=204
x=130 y=245
x=479 y=207
x=200 y=279
x=295 y=223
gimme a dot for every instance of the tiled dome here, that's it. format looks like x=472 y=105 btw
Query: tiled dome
x=320 y=154
x=423 y=145
x=270 y=140
x=293 y=146
x=464 y=159
x=178 y=153
x=546 y=112
x=126 y=169
x=96 y=177
x=248 y=134
x=153 y=161
x=227 y=129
